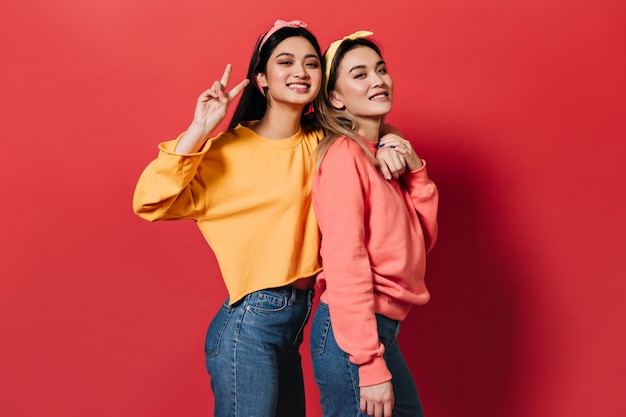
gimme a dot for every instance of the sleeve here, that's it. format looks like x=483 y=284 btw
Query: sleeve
x=339 y=201
x=170 y=187
x=425 y=198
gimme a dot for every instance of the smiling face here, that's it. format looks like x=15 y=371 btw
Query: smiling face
x=293 y=74
x=362 y=85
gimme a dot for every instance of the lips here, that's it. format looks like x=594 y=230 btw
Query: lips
x=299 y=86
x=379 y=96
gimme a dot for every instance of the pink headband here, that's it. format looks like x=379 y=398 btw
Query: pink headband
x=279 y=24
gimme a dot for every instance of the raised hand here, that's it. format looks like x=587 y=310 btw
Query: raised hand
x=211 y=108
x=213 y=103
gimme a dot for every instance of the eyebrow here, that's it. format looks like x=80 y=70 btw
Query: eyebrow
x=289 y=54
x=358 y=67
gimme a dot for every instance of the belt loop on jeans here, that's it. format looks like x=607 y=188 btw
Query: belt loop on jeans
x=293 y=296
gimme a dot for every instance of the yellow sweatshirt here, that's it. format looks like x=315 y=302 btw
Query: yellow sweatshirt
x=251 y=199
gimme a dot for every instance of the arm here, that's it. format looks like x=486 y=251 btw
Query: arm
x=425 y=198
x=339 y=198
x=169 y=188
x=422 y=190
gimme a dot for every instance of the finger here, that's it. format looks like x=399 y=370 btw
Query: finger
x=378 y=410
x=402 y=150
x=238 y=89
x=392 y=144
x=370 y=409
x=388 y=410
x=217 y=85
x=397 y=165
x=386 y=142
x=214 y=90
x=384 y=170
x=363 y=405
x=392 y=164
x=390 y=140
x=390 y=136
x=207 y=95
x=400 y=159
x=226 y=75
x=396 y=171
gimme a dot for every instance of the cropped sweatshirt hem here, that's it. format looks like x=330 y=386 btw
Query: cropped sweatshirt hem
x=251 y=199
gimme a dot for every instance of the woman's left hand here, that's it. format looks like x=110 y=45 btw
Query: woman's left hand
x=403 y=148
x=391 y=164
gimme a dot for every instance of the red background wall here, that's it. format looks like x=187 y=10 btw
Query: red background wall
x=517 y=106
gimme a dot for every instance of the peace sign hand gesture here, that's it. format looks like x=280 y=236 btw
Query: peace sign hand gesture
x=211 y=109
x=213 y=104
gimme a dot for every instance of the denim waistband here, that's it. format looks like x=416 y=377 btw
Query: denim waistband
x=290 y=292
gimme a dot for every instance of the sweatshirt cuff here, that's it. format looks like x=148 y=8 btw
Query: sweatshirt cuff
x=419 y=170
x=375 y=372
x=419 y=177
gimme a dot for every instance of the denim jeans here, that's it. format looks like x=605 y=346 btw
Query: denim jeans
x=338 y=378
x=252 y=354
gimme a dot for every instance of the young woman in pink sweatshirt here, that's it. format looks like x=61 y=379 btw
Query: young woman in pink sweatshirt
x=375 y=237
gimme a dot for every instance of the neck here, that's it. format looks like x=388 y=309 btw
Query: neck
x=370 y=128
x=279 y=123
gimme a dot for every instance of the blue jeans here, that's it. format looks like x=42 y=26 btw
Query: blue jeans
x=338 y=378
x=252 y=354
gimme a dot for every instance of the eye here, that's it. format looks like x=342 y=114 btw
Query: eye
x=313 y=64
x=359 y=75
x=285 y=62
x=382 y=70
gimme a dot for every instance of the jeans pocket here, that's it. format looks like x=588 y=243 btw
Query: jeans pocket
x=216 y=330
x=267 y=301
x=319 y=330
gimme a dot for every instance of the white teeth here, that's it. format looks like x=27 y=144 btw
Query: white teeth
x=299 y=86
x=378 y=97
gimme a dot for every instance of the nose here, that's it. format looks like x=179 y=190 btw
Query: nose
x=377 y=80
x=300 y=70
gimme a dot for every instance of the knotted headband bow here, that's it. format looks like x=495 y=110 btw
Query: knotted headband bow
x=279 y=24
x=332 y=50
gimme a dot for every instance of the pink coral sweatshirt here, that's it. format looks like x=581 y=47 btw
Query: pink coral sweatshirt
x=375 y=236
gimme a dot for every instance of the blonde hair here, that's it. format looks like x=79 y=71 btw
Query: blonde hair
x=338 y=122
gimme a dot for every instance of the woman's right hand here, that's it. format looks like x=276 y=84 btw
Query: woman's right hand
x=211 y=108
x=377 y=400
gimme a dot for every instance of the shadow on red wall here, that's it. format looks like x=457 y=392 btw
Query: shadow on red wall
x=460 y=345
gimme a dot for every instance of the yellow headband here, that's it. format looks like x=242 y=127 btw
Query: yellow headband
x=332 y=50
